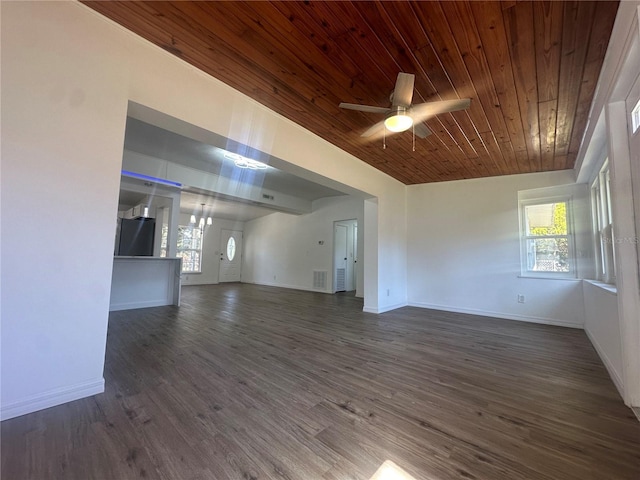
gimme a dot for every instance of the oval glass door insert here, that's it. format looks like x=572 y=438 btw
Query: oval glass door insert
x=231 y=249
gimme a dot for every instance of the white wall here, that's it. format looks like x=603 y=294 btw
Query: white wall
x=284 y=250
x=211 y=249
x=63 y=117
x=603 y=328
x=371 y=259
x=67 y=77
x=614 y=329
x=464 y=250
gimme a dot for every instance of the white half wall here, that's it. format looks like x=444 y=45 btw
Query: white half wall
x=602 y=325
x=68 y=75
x=464 y=251
x=284 y=250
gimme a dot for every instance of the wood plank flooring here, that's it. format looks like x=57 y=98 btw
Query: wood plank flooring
x=249 y=382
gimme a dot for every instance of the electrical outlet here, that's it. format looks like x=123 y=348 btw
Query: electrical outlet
x=520 y=298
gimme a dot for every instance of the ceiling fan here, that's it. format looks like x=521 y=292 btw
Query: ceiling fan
x=402 y=115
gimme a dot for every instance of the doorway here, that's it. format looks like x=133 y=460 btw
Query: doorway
x=230 y=256
x=345 y=255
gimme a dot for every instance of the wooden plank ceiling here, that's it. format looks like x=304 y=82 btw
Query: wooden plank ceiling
x=530 y=68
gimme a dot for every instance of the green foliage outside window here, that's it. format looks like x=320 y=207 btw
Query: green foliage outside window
x=548 y=237
x=190 y=248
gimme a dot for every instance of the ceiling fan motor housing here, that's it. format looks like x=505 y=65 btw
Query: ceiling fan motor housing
x=398 y=119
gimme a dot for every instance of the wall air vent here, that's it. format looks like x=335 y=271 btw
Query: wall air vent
x=340 y=280
x=319 y=279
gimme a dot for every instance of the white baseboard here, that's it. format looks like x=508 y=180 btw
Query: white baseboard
x=51 y=398
x=131 y=305
x=195 y=284
x=386 y=308
x=607 y=363
x=292 y=287
x=506 y=316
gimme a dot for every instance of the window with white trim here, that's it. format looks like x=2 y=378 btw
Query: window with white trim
x=603 y=226
x=547 y=244
x=163 y=240
x=635 y=118
x=190 y=248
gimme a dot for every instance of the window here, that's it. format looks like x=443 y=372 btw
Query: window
x=547 y=241
x=635 y=118
x=603 y=226
x=163 y=241
x=190 y=248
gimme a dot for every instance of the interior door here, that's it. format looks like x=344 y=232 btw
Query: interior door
x=354 y=258
x=230 y=256
x=340 y=258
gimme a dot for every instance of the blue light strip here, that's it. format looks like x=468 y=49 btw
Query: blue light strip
x=149 y=177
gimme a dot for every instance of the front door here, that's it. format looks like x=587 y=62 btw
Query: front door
x=230 y=256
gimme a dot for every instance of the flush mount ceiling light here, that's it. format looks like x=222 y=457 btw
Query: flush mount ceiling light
x=242 y=162
x=398 y=120
x=251 y=164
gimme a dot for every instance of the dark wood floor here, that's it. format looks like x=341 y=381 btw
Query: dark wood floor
x=249 y=382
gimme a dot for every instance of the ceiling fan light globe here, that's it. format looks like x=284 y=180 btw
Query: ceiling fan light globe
x=398 y=122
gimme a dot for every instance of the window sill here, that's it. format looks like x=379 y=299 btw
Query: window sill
x=542 y=277
x=604 y=286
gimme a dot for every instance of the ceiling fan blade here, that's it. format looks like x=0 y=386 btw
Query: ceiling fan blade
x=363 y=108
x=421 y=130
x=423 y=111
x=374 y=131
x=403 y=93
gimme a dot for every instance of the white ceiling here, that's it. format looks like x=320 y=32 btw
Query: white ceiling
x=191 y=203
x=220 y=208
x=153 y=141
